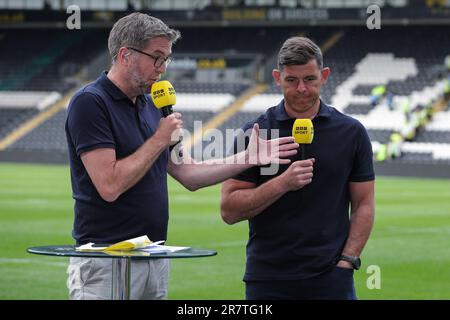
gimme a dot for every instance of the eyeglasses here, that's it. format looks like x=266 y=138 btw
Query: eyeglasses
x=159 y=60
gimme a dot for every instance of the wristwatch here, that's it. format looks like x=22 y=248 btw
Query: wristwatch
x=355 y=261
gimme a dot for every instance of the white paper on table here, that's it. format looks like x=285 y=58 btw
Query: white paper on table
x=126 y=245
x=157 y=248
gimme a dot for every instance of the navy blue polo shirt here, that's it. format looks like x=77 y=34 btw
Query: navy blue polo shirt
x=301 y=234
x=101 y=116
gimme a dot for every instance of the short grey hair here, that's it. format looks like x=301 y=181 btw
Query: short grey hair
x=134 y=30
x=299 y=51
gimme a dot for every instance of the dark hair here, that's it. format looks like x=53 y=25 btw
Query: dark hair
x=299 y=51
x=135 y=30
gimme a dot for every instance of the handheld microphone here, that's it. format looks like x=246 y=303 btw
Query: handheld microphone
x=163 y=96
x=303 y=133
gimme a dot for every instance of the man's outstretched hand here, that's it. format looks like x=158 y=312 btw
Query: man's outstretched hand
x=261 y=151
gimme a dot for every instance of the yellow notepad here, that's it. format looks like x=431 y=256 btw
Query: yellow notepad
x=126 y=245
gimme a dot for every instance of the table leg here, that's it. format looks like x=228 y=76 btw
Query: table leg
x=121 y=272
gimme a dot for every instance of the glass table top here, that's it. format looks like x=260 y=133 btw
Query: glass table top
x=70 y=251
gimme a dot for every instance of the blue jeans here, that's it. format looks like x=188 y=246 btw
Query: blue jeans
x=336 y=284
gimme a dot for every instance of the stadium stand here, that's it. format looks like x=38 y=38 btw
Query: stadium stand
x=10 y=118
x=407 y=60
x=45 y=59
x=49 y=136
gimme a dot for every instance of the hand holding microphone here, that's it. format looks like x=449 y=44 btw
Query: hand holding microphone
x=164 y=97
x=168 y=127
x=300 y=173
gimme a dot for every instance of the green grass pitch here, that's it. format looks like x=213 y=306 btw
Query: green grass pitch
x=410 y=242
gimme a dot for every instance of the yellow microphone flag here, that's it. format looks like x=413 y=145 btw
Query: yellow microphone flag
x=303 y=131
x=163 y=94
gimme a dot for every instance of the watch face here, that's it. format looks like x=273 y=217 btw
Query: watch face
x=357 y=263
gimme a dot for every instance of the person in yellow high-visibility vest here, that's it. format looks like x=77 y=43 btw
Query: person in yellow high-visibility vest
x=381 y=154
x=394 y=147
x=447 y=88
x=447 y=62
x=376 y=94
x=405 y=107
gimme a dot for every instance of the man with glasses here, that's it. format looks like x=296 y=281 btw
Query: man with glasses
x=119 y=159
x=159 y=60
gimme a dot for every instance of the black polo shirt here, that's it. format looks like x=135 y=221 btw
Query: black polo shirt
x=101 y=116
x=301 y=234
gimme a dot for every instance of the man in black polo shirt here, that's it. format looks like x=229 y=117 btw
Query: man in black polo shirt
x=119 y=159
x=302 y=243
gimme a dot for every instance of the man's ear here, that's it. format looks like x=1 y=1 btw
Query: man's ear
x=123 y=54
x=325 y=74
x=276 y=74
